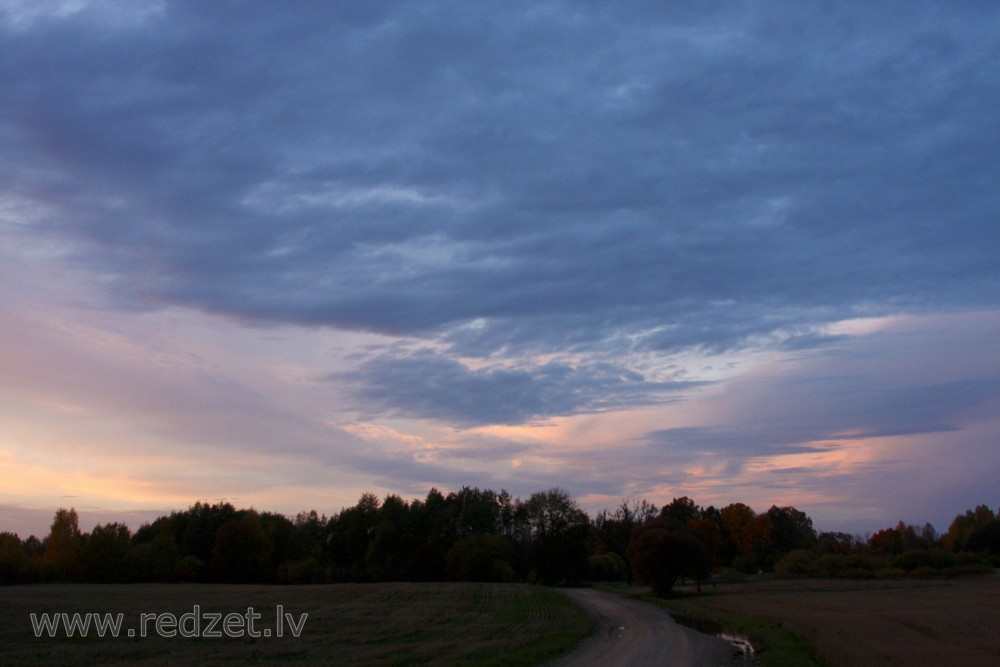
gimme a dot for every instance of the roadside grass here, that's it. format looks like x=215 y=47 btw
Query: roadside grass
x=774 y=645
x=494 y=625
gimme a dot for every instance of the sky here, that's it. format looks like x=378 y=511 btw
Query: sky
x=283 y=253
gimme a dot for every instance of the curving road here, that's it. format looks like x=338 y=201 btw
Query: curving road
x=632 y=633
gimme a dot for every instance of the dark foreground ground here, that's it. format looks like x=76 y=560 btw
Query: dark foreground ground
x=349 y=624
x=902 y=623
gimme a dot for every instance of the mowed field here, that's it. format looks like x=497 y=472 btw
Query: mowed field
x=348 y=624
x=921 y=623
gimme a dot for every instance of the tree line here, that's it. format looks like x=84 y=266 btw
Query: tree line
x=481 y=535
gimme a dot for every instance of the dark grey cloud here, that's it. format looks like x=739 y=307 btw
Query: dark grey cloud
x=427 y=385
x=926 y=408
x=562 y=176
x=937 y=377
x=814 y=413
x=844 y=411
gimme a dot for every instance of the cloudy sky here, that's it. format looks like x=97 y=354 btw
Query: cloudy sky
x=285 y=253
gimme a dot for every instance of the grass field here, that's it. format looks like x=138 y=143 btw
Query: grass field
x=954 y=622
x=365 y=624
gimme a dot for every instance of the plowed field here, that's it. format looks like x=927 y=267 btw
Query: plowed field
x=916 y=623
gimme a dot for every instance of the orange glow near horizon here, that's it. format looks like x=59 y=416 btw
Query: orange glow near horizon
x=37 y=484
x=134 y=437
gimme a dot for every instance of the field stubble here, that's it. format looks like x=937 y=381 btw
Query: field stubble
x=347 y=624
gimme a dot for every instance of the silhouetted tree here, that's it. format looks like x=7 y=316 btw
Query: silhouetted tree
x=708 y=527
x=965 y=524
x=929 y=536
x=351 y=531
x=683 y=510
x=61 y=558
x=304 y=551
x=480 y=534
x=104 y=552
x=607 y=566
x=241 y=552
x=558 y=531
x=614 y=531
x=791 y=529
x=662 y=550
x=153 y=560
x=507 y=512
x=481 y=558
x=896 y=540
x=837 y=543
x=392 y=541
x=477 y=512
x=13 y=559
x=278 y=531
x=196 y=532
x=985 y=539
x=432 y=521
x=747 y=536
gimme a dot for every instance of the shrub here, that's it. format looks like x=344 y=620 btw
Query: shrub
x=476 y=558
x=925 y=572
x=966 y=559
x=799 y=562
x=966 y=570
x=730 y=575
x=190 y=568
x=857 y=573
x=302 y=571
x=941 y=558
x=912 y=559
x=606 y=567
x=502 y=571
x=890 y=573
x=13 y=560
x=860 y=562
x=662 y=550
x=832 y=565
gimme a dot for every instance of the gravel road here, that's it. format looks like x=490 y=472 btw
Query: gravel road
x=632 y=633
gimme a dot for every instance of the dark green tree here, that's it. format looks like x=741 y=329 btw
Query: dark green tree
x=791 y=529
x=614 y=531
x=13 y=560
x=985 y=539
x=965 y=524
x=481 y=558
x=558 y=530
x=683 y=510
x=242 y=552
x=663 y=549
x=153 y=560
x=61 y=557
x=104 y=551
x=746 y=535
x=351 y=531
x=196 y=532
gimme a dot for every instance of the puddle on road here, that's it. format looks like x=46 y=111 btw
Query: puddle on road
x=741 y=645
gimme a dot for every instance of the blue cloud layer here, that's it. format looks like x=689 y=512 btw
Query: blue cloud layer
x=516 y=179
x=425 y=385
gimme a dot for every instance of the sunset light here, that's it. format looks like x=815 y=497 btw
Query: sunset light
x=745 y=255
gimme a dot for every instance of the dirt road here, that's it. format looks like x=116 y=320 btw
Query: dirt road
x=632 y=633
